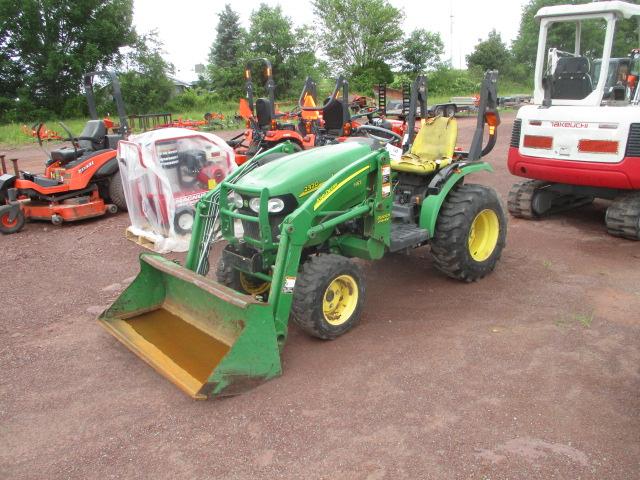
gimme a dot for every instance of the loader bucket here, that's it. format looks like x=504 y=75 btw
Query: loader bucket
x=206 y=338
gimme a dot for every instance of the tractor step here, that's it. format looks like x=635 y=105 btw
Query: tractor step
x=406 y=235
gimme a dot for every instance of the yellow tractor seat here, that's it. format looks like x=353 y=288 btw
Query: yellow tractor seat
x=432 y=149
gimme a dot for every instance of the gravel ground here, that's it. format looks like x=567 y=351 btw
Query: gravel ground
x=531 y=373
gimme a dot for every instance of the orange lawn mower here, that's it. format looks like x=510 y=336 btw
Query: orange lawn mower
x=79 y=182
x=266 y=127
x=305 y=127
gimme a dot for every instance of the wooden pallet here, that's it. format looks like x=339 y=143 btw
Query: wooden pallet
x=141 y=240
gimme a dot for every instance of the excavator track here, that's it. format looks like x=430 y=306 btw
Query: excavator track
x=623 y=217
x=535 y=199
x=520 y=200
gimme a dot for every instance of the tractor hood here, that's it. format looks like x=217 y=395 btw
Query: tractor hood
x=300 y=174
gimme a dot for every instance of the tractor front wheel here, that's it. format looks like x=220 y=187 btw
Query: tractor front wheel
x=328 y=296
x=470 y=233
x=11 y=221
x=240 y=281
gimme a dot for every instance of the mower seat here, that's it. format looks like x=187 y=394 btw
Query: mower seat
x=65 y=155
x=264 y=113
x=93 y=135
x=432 y=149
x=41 y=180
x=334 y=116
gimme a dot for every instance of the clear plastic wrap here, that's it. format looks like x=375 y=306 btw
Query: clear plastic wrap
x=164 y=173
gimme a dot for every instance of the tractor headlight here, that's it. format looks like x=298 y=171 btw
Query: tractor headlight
x=234 y=199
x=274 y=205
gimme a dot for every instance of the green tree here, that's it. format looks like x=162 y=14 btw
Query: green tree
x=146 y=86
x=227 y=54
x=270 y=36
x=358 y=33
x=422 y=50
x=291 y=52
x=48 y=44
x=363 y=78
x=490 y=54
x=524 y=47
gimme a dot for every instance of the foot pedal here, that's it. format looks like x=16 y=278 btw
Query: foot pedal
x=406 y=235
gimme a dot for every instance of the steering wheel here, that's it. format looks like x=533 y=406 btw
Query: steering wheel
x=74 y=141
x=364 y=112
x=390 y=135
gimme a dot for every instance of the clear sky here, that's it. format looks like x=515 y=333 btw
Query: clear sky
x=187 y=27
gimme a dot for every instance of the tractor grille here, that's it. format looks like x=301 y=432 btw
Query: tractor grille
x=515 y=133
x=251 y=229
x=633 y=142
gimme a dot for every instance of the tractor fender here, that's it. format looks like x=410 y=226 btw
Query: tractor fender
x=284 y=135
x=109 y=168
x=7 y=181
x=440 y=187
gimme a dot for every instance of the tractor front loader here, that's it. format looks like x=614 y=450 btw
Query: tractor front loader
x=305 y=216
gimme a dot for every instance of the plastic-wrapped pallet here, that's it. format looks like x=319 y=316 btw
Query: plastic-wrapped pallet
x=164 y=173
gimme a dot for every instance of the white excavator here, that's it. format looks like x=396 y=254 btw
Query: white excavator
x=580 y=139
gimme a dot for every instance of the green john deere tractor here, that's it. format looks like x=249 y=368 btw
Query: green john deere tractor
x=293 y=223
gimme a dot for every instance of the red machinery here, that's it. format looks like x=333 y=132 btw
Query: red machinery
x=81 y=181
x=306 y=127
x=166 y=172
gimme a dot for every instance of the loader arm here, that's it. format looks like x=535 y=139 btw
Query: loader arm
x=315 y=219
x=318 y=214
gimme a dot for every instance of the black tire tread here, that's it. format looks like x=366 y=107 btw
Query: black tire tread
x=21 y=220
x=227 y=275
x=116 y=192
x=623 y=217
x=520 y=200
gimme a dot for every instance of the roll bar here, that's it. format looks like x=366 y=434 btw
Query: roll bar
x=487 y=114
x=418 y=99
x=117 y=96
x=310 y=87
x=269 y=86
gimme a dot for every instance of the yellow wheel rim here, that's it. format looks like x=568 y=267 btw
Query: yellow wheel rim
x=483 y=235
x=340 y=300
x=252 y=285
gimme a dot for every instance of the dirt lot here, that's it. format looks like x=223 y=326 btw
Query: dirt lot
x=532 y=373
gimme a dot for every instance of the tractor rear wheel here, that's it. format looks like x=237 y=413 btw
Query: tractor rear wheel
x=470 y=233
x=328 y=296
x=623 y=217
x=116 y=192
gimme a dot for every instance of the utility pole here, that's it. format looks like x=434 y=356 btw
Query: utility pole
x=451 y=32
